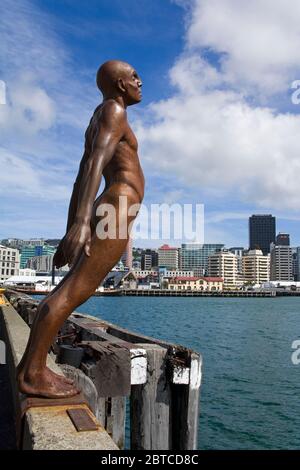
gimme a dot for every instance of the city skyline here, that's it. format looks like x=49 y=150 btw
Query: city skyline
x=202 y=86
x=155 y=244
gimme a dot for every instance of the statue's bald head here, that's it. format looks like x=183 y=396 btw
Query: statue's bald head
x=109 y=73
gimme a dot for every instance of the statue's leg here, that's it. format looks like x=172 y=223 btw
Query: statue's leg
x=20 y=367
x=23 y=361
x=34 y=378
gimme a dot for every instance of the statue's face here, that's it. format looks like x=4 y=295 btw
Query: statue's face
x=133 y=85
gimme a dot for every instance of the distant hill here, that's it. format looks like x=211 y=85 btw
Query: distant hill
x=53 y=241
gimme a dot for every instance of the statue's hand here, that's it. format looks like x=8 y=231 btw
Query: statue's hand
x=59 y=258
x=77 y=239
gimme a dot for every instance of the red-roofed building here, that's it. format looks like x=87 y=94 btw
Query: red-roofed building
x=168 y=257
x=196 y=283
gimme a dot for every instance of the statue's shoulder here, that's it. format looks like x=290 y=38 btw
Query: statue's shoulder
x=111 y=110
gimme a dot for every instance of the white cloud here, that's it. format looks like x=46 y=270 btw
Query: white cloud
x=29 y=110
x=46 y=105
x=20 y=177
x=209 y=135
x=258 y=39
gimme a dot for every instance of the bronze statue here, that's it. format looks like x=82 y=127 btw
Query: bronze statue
x=111 y=150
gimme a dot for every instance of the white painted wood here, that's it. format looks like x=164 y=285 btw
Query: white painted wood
x=138 y=366
x=196 y=374
x=181 y=375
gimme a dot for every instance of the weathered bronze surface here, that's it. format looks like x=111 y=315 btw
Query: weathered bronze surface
x=110 y=150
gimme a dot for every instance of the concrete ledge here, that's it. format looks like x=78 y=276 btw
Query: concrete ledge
x=51 y=428
x=47 y=428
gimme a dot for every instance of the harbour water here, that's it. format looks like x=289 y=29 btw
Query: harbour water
x=250 y=394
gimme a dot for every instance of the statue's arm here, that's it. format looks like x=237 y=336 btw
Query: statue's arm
x=75 y=193
x=112 y=128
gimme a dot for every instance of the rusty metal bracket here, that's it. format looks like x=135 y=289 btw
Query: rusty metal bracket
x=82 y=420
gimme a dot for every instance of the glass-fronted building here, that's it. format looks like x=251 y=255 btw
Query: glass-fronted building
x=262 y=230
x=29 y=251
x=194 y=256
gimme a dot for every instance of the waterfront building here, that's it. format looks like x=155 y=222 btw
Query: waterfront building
x=27 y=272
x=145 y=272
x=178 y=273
x=238 y=251
x=194 y=256
x=41 y=263
x=29 y=251
x=9 y=262
x=120 y=280
x=297 y=263
x=281 y=263
x=19 y=242
x=168 y=257
x=256 y=267
x=282 y=239
x=224 y=264
x=149 y=259
x=199 y=283
x=262 y=230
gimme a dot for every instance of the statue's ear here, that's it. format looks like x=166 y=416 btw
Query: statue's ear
x=121 y=85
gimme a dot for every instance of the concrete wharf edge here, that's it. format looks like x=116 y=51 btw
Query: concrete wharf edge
x=44 y=428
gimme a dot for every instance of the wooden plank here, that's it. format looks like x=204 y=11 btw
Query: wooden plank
x=100 y=415
x=138 y=357
x=150 y=404
x=116 y=331
x=185 y=408
x=115 y=420
x=111 y=369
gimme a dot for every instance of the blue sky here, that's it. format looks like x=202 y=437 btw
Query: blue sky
x=216 y=125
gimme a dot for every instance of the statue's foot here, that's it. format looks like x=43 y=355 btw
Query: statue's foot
x=46 y=383
x=62 y=378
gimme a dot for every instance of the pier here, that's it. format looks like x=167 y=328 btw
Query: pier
x=196 y=293
x=174 y=293
x=157 y=382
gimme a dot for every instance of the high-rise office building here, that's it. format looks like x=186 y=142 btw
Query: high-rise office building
x=262 y=229
x=239 y=252
x=256 y=267
x=194 y=256
x=29 y=251
x=9 y=262
x=281 y=263
x=168 y=257
x=149 y=259
x=283 y=239
x=224 y=264
x=297 y=262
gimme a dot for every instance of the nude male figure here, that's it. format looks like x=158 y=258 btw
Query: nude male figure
x=111 y=150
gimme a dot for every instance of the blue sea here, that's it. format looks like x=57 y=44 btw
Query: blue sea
x=250 y=391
